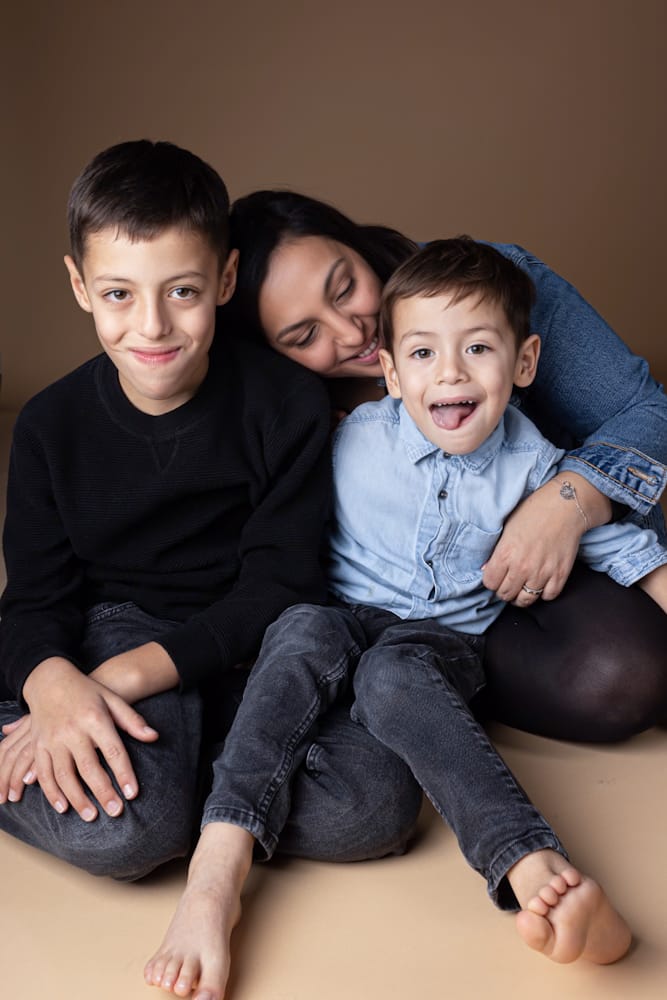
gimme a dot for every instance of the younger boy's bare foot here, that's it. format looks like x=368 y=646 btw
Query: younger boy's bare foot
x=570 y=917
x=194 y=957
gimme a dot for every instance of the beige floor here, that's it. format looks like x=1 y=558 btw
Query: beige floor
x=418 y=927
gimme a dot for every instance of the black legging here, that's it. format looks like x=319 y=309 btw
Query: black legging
x=590 y=665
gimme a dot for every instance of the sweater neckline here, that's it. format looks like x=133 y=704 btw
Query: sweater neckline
x=161 y=426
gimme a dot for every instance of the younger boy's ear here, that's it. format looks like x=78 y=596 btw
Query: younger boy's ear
x=227 y=282
x=78 y=287
x=390 y=374
x=526 y=361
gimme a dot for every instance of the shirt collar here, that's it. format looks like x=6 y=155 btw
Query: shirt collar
x=417 y=446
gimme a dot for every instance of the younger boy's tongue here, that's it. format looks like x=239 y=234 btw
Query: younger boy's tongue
x=450 y=416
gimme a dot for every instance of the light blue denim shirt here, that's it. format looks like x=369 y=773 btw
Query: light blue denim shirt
x=414 y=525
x=593 y=397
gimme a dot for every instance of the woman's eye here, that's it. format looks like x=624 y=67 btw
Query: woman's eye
x=346 y=290
x=182 y=293
x=307 y=339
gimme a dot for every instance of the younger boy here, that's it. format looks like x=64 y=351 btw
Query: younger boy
x=423 y=482
x=166 y=502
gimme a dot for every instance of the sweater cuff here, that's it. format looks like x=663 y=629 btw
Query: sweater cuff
x=195 y=653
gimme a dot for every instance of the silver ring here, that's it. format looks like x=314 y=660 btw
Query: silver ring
x=531 y=590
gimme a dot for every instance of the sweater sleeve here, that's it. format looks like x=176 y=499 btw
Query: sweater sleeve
x=40 y=610
x=280 y=545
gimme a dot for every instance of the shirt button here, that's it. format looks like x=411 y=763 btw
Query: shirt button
x=443 y=494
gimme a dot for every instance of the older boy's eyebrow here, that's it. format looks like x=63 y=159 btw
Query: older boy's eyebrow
x=185 y=276
x=328 y=283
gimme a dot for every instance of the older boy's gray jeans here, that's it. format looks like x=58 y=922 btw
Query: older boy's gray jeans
x=352 y=797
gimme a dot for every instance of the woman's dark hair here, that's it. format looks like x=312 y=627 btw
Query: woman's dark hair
x=262 y=221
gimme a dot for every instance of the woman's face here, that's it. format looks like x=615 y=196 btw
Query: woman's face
x=319 y=306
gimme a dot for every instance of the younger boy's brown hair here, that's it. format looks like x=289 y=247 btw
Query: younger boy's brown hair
x=462 y=267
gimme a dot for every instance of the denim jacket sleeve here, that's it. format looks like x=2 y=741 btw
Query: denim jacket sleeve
x=593 y=396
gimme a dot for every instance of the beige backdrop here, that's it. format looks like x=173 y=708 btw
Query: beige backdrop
x=532 y=121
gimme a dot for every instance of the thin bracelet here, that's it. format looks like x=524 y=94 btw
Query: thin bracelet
x=568 y=492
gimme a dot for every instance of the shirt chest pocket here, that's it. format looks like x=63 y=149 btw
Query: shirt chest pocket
x=468 y=550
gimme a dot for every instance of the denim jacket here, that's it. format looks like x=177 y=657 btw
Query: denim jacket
x=593 y=397
x=414 y=525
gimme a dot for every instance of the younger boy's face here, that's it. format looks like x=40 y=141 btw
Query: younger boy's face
x=153 y=303
x=454 y=366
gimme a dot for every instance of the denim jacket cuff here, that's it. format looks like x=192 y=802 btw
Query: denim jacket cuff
x=636 y=566
x=622 y=474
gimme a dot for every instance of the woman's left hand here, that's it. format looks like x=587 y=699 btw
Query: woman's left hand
x=539 y=543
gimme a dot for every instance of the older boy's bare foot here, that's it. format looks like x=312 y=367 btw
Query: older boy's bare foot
x=570 y=917
x=194 y=957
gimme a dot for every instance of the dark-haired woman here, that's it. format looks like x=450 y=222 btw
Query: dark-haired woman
x=575 y=656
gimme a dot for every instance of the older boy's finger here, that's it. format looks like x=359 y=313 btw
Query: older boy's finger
x=118 y=759
x=97 y=779
x=69 y=768
x=46 y=777
x=16 y=755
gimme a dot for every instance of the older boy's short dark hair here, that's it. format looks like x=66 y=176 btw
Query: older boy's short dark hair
x=463 y=267
x=142 y=188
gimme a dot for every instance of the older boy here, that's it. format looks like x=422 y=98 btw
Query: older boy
x=166 y=502
x=423 y=481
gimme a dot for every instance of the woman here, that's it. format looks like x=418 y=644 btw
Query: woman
x=309 y=284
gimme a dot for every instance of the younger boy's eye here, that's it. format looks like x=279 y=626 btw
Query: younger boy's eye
x=476 y=349
x=422 y=353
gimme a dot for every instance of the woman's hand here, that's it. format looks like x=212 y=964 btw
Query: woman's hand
x=539 y=543
x=72 y=717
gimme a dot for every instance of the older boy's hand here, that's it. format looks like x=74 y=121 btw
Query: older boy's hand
x=539 y=543
x=72 y=717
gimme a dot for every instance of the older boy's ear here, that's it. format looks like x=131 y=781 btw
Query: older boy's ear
x=526 y=361
x=390 y=374
x=78 y=287
x=228 y=277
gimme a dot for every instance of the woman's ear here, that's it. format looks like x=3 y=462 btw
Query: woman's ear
x=526 y=361
x=78 y=286
x=390 y=374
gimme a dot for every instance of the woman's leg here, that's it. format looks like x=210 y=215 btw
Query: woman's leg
x=589 y=666
x=156 y=826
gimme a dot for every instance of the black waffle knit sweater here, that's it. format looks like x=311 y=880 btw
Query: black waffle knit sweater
x=211 y=516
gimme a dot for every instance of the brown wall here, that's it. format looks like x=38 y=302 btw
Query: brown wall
x=532 y=121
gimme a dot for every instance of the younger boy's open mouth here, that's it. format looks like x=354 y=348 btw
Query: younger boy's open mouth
x=450 y=416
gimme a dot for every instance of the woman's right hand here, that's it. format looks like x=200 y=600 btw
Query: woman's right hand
x=71 y=717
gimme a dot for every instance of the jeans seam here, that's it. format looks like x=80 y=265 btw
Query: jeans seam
x=335 y=674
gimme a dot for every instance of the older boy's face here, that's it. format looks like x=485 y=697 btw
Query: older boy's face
x=153 y=303
x=454 y=365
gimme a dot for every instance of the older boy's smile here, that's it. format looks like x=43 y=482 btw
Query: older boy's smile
x=153 y=302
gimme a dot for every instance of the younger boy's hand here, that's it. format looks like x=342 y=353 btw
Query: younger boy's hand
x=72 y=717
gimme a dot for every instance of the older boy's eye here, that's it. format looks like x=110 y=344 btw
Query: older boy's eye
x=182 y=293
x=117 y=295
